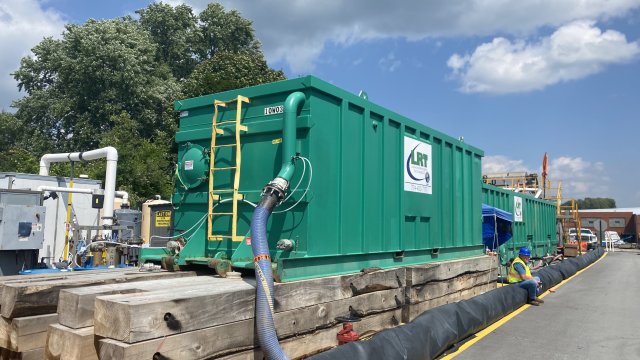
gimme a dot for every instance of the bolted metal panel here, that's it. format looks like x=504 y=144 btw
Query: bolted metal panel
x=357 y=211
x=22 y=219
x=537 y=230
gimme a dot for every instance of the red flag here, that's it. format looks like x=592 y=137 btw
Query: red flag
x=545 y=166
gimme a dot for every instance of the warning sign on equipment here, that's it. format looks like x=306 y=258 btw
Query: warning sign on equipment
x=163 y=218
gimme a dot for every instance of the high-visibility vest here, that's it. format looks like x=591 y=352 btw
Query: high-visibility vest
x=514 y=276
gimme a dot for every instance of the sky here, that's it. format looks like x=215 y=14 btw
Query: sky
x=515 y=78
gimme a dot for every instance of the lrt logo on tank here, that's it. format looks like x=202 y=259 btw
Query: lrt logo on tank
x=417 y=166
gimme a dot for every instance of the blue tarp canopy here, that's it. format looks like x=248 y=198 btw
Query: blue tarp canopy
x=496 y=226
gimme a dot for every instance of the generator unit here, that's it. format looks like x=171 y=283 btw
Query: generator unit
x=22 y=219
x=364 y=186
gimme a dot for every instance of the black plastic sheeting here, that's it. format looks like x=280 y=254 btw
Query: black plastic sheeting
x=437 y=329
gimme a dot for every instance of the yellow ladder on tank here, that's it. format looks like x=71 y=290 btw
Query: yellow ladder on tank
x=216 y=194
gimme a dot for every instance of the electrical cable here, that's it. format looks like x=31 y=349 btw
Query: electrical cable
x=179 y=178
x=199 y=223
x=304 y=159
x=304 y=169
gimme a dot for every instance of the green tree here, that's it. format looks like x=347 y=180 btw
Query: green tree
x=114 y=82
x=97 y=70
x=176 y=33
x=144 y=165
x=227 y=70
x=594 y=203
x=225 y=31
x=14 y=147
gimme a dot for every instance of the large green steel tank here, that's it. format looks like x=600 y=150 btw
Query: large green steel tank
x=534 y=222
x=386 y=191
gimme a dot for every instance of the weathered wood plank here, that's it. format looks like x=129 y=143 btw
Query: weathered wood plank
x=64 y=343
x=304 y=346
x=41 y=297
x=76 y=306
x=316 y=291
x=436 y=289
x=137 y=317
x=411 y=311
x=307 y=319
x=421 y=274
x=236 y=336
x=49 y=277
x=35 y=354
x=23 y=334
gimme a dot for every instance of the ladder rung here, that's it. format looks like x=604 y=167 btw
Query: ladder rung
x=220 y=237
x=225 y=145
x=225 y=213
x=221 y=191
x=225 y=122
x=219 y=103
x=240 y=127
x=224 y=168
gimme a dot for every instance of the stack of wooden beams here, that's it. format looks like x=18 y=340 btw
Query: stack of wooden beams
x=218 y=321
x=73 y=336
x=124 y=314
x=28 y=305
x=436 y=284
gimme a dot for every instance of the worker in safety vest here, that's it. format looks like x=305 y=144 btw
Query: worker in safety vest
x=520 y=274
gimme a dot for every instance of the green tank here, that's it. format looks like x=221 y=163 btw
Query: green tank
x=534 y=222
x=379 y=190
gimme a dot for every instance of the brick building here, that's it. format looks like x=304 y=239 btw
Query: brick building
x=624 y=221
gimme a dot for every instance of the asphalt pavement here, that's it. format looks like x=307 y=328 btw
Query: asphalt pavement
x=595 y=315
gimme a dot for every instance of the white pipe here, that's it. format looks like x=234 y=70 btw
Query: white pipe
x=119 y=194
x=110 y=153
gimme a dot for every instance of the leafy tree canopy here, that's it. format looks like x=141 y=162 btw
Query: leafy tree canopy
x=594 y=203
x=229 y=70
x=113 y=83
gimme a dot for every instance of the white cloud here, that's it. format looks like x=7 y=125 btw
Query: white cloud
x=502 y=164
x=580 y=178
x=298 y=31
x=390 y=62
x=23 y=24
x=573 y=51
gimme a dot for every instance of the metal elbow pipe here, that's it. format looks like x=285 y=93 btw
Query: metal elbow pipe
x=124 y=196
x=289 y=129
x=110 y=153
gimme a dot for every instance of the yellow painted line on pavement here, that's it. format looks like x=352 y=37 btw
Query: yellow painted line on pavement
x=505 y=319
